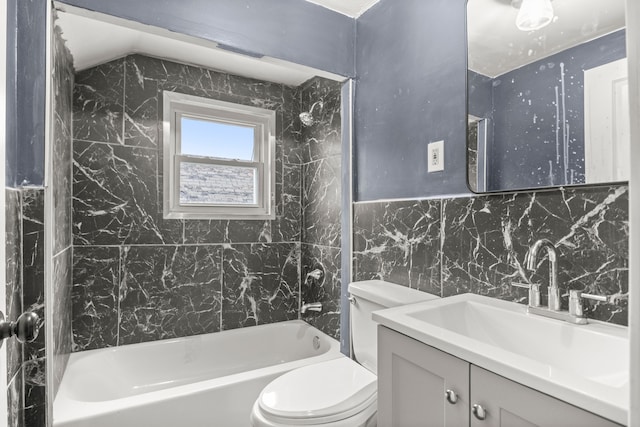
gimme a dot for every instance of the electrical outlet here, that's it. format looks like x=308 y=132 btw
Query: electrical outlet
x=435 y=152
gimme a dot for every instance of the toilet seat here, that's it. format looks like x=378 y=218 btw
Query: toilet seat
x=322 y=393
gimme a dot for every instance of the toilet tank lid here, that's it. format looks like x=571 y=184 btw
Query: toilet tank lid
x=388 y=294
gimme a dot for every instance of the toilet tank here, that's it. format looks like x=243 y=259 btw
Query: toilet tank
x=369 y=296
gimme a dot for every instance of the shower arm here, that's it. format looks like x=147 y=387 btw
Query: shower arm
x=314 y=106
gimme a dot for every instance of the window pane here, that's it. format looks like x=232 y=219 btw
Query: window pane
x=214 y=139
x=202 y=183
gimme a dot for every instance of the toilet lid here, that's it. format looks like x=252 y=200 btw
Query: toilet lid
x=322 y=392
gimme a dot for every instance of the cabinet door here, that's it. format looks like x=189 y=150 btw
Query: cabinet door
x=412 y=381
x=510 y=404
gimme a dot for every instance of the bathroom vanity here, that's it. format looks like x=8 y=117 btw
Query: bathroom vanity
x=472 y=360
x=413 y=375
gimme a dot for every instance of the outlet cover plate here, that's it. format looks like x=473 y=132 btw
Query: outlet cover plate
x=436 y=156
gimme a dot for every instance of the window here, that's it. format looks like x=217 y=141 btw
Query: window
x=218 y=159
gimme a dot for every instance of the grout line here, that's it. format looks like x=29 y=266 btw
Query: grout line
x=119 y=310
x=151 y=245
x=221 y=289
x=88 y=141
x=124 y=97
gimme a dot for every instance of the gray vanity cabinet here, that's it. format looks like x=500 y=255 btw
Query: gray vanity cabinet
x=412 y=380
x=509 y=404
x=419 y=385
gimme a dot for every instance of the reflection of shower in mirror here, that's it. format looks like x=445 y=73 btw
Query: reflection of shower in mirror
x=307 y=118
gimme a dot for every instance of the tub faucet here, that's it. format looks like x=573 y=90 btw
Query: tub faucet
x=532 y=261
x=313 y=306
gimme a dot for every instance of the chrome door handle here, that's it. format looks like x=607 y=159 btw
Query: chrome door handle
x=479 y=412
x=451 y=396
x=25 y=329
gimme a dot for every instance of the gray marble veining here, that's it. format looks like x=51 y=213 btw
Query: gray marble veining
x=61 y=316
x=33 y=265
x=169 y=292
x=133 y=270
x=321 y=202
x=97 y=103
x=96 y=283
x=13 y=274
x=261 y=284
x=114 y=197
x=326 y=290
x=398 y=242
x=322 y=139
x=486 y=239
x=61 y=187
x=479 y=244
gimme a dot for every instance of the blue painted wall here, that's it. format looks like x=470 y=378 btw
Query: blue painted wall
x=480 y=95
x=411 y=67
x=25 y=92
x=523 y=103
x=293 y=30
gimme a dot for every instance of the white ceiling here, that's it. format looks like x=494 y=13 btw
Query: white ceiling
x=352 y=8
x=497 y=46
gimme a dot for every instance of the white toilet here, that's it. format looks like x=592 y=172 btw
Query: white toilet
x=339 y=392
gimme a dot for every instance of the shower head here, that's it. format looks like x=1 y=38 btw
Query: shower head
x=307 y=117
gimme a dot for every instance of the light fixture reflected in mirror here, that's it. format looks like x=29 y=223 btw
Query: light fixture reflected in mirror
x=533 y=14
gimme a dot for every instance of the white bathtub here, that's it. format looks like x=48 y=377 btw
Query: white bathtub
x=204 y=380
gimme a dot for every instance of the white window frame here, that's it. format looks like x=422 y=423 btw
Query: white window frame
x=178 y=105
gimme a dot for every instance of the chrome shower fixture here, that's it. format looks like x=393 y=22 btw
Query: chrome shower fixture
x=307 y=117
x=316 y=275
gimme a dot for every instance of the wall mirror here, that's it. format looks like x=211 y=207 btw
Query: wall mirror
x=547 y=93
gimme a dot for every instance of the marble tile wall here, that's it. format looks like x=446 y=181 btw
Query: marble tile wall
x=60 y=209
x=25 y=292
x=33 y=300
x=321 y=202
x=478 y=244
x=138 y=277
x=13 y=235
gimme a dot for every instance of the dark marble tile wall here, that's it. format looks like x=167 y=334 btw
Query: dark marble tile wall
x=325 y=290
x=321 y=202
x=13 y=236
x=479 y=244
x=25 y=292
x=261 y=284
x=138 y=277
x=168 y=291
x=33 y=299
x=61 y=169
x=398 y=241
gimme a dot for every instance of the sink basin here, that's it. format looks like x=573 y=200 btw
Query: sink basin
x=586 y=365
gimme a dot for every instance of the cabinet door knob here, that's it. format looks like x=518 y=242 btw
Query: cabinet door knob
x=479 y=412
x=451 y=396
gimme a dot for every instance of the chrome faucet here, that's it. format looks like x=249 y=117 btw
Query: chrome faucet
x=532 y=263
x=313 y=306
x=575 y=313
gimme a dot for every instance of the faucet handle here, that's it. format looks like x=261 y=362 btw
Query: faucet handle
x=534 y=292
x=576 y=297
